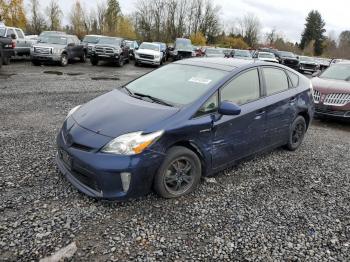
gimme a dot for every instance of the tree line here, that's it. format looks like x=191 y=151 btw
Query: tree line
x=164 y=20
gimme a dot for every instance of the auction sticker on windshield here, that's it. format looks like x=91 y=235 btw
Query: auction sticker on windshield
x=198 y=80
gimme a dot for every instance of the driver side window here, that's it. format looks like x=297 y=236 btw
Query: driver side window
x=243 y=89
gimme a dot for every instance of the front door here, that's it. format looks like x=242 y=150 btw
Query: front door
x=236 y=137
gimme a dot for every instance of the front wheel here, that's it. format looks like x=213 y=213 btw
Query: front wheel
x=36 y=63
x=297 y=133
x=120 y=61
x=83 y=58
x=94 y=60
x=179 y=174
x=64 y=60
x=6 y=60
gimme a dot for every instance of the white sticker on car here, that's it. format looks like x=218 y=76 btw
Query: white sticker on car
x=198 y=80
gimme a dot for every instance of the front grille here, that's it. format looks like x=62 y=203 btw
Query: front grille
x=317 y=96
x=329 y=111
x=337 y=99
x=185 y=54
x=42 y=50
x=81 y=147
x=290 y=62
x=104 y=51
x=147 y=56
x=85 y=179
x=309 y=66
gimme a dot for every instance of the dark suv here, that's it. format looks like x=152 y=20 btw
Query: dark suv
x=182 y=49
x=111 y=49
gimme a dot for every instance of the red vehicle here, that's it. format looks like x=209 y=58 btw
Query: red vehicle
x=332 y=92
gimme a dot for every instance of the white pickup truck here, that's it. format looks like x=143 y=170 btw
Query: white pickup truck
x=22 y=43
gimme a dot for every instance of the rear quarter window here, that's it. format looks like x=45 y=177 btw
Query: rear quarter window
x=294 y=78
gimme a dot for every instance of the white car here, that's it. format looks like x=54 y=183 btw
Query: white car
x=267 y=57
x=149 y=53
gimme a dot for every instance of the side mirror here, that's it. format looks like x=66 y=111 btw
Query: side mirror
x=71 y=44
x=13 y=36
x=317 y=73
x=136 y=48
x=229 y=109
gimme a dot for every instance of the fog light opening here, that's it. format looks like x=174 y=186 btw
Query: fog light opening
x=126 y=178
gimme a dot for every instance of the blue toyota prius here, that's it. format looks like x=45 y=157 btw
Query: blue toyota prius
x=193 y=118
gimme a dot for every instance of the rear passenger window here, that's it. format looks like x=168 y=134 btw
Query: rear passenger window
x=276 y=80
x=293 y=78
x=10 y=32
x=243 y=89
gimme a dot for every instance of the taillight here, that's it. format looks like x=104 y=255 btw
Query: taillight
x=13 y=44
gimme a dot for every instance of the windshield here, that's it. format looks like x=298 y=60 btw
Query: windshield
x=129 y=44
x=2 y=31
x=214 y=51
x=267 y=55
x=183 y=44
x=177 y=84
x=337 y=72
x=242 y=53
x=91 y=39
x=306 y=59
x=149 y=47
x=109 y=41
x=57 y=40
x=286 y=54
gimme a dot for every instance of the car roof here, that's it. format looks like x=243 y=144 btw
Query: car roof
x=226 y=64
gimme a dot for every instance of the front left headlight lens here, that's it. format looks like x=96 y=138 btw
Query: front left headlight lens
x=131 y=144
x=71 y=112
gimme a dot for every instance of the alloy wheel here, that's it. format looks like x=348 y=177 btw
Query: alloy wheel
x=179 y=176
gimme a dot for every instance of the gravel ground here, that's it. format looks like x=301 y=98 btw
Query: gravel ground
x=292 y=206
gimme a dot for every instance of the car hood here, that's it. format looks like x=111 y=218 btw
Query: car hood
x=106 y=45
x=50 y=45
x=147 y=52
x=215 y=55
x=308 y=63
x=268 y=59
x=116 y=113
x=330 y=85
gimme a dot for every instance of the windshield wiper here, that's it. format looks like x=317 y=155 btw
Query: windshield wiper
x=154 y=99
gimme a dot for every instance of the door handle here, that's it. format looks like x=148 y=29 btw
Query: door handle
x=260 y=112
x=292 y=100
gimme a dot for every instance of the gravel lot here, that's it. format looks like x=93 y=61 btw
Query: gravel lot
x=292 y=206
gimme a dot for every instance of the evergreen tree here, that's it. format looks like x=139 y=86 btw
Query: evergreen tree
x=113 y=14
x=314 y=31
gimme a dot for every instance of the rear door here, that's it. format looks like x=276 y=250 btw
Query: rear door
x=281 y=104
x=235 y=137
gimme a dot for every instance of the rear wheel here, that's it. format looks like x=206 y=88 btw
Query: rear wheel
x=297 y=133
x=179 y=174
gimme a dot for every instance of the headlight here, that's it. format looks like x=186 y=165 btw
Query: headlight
x=117 y=51
x=157 y=56
x=131 y=144
x=71 y=112
x=56 y=51
x=136 y=54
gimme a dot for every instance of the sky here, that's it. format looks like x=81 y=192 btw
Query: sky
x=287 y=17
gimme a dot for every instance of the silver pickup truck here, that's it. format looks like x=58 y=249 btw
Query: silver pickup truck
x=22 y=43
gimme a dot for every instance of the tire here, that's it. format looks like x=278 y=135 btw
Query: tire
x=296 y=133
x=179 y=174
x=36 y=63
x=6 y=60
x=64 y=60
x=137 y=63
x=120 y=61
x=94 y=61
x=83 y=58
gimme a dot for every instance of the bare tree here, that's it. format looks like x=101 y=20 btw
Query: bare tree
x=250 y=29
x=77 y=19
x=54 y=14
x=37 y=22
